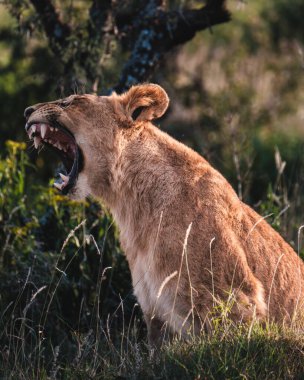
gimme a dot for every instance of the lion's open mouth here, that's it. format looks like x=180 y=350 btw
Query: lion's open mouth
x=63 y=143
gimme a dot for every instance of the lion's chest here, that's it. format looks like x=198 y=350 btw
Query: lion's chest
x=157 y=296
x=145 y=284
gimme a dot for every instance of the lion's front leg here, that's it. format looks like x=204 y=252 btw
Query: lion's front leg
x=158 y=332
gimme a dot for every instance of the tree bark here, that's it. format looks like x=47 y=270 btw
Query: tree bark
x=149 y=33
x=161 y=31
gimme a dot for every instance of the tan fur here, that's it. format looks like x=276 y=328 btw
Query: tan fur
x=158 y=190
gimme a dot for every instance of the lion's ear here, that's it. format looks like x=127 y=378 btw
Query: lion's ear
x=144 y=102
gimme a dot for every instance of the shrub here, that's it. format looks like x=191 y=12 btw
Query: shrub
x=61 y=267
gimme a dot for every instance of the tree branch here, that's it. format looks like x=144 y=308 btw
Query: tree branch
x=56 y=31
x=160 y=31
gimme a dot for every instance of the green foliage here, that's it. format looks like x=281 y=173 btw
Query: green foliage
x=24 y=79
x=12 y=201
x=61 y=268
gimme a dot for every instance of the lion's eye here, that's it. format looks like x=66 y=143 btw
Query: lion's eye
x=64 y=103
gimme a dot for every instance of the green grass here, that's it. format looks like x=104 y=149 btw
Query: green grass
x=231 y=352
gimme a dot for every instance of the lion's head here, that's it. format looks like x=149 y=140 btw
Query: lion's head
x=85 y=129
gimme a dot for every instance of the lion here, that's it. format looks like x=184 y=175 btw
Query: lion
x=192 y=245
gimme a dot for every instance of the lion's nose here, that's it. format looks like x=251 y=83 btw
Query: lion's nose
x=28 y=111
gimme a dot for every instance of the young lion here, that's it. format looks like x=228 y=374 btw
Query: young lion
x=190 y=242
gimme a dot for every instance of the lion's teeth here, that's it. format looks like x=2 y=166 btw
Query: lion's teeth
x=37 y=140
x=32 y=130
x=43 y=129
x=59 y=186
x=65 y=178
x=52 y=129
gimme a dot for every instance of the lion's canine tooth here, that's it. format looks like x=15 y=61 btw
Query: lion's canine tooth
x=32 y=130
x=43 y=129
x=52 y=129
x=65 y=178
x=37 y=140
x=59 y=186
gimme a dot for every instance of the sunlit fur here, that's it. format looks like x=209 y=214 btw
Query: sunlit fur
x=158 y=190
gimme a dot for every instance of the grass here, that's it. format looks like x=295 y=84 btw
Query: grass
x=231 y=352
